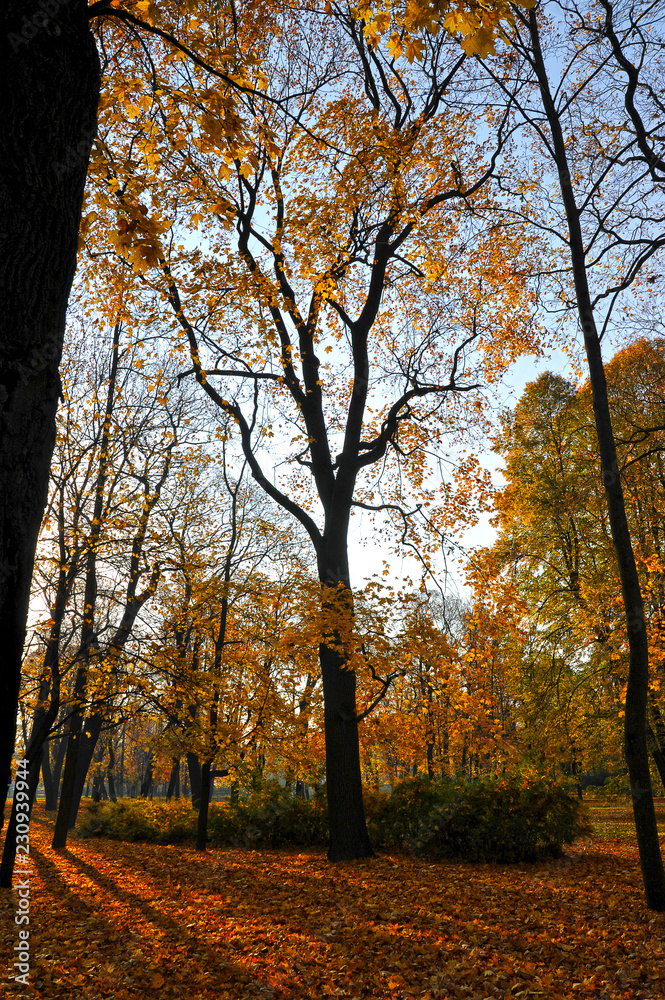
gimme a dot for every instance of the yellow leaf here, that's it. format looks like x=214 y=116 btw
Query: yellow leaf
x=413 y=49
x=395 y=47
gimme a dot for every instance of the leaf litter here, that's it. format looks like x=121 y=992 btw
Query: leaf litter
x=124 y=921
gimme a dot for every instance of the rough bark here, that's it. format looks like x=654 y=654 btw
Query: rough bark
x=49 y=80
x=348 y=831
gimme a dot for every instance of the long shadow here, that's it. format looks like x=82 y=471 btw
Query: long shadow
x=312 y=902
x=219 y=968
x=316 y=911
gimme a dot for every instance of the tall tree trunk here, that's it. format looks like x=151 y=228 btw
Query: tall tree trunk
x=121 y=777
x=346 y=814
x=47 y=778
x=57 y=767
x=86 y=752
x=430 y=759
x=110 y=771
x=194 y=771
x=146 y=784
x=89 y=643
x=9 y=850
x=63 y=820
x=174 y=780
x=657 y=729
x=635 y=736
x=36 y=748
x=202 y=825
x=49 y=81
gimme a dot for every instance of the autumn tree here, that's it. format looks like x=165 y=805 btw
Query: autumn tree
x=584 y=80
x=552 y=555
x=120 y=431
x=449 y=710
x=216 y=649
x=352 y=279
x=49 y=73
x=51 y=82
x=554 y=548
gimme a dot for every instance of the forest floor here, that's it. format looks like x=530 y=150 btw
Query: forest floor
x=124 y=921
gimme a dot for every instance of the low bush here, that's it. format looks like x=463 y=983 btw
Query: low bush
x=267 y=817
x=505 y=819
x=139 y=819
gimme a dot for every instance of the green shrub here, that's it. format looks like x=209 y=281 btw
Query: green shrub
x=139 y=819
x=269 y=816
x=505 y=819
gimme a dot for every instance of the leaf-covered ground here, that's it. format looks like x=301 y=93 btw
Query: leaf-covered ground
x=115 y=920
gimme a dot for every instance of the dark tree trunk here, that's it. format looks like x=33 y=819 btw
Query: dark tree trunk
x=37 y=747
x=49 y=81
x=657 y=753
x=174 y=780
x=346 y=815
x=194 y=770
x=9 y=850
x=64 y=820
x=57 y=767
x=69 y=800
x=99 y=793
x=657 y=732
x=47 y=777
x=110 y=771
x=635 y=723
x=301 y=789
x=202 y=825
x=146 y=784
x=430 y=759
x=89 y=742
x=121 y=779
x=112 y=792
